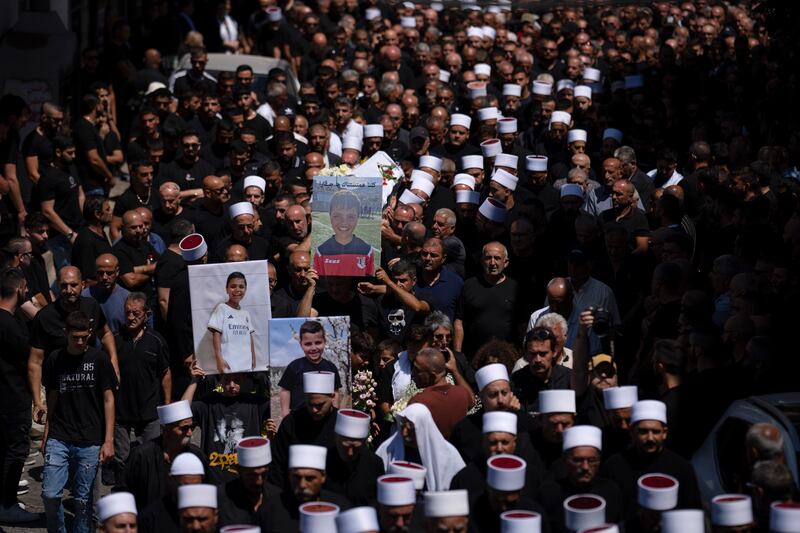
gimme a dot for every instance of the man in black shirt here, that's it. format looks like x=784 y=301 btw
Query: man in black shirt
x=144 y=363
x=61 y=200
x=79 y=433
x=47 y=330
x=37 y=148
x=208 y=216
x=15 y=411
x=137 y=257
x=169 y=265
x=169 y=210
x=187 y=170
x=541 y=373
x=241 y=498
x=625 y=213
x=242 y=223
x=286 y=300
x=91 y=241
x=139 y=194
x=96 y=178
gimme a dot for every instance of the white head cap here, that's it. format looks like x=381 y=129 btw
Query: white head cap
x=408 y=22
x=240 y=528
x=487 y=113
x=319 y=383
x=372 y=13
x=395 y=490
x=193 y=247
x=408 y=469
x=357 y=520
x=476 y=89
x=505 y=472
x=506 y=179
x=253 y=452
x=444 y=76
x=351 y=142
x=493 y=210
x=274 y=14
x=437 y=6
x=512 y=89
x=410 y=198
x=591 y=74
x=430 y=161
x=507 y=125
x=422 y=184
x=373 y=130
x=464 y=179
x=576 y=135
x=557 y=401
x=499 y=421
x=560 y=116
x=542 y=88
x=153 y=87
x=457 y=119
x=649 y=410
x=536 y=163
x=318 y=517
x=482 y=69
x=520 y=522
x=658 y=492
x=683 y=521
x=239 y=209
x=254 y=181
x=201 y=495
x=307 y=456
x=472 y=161
x=620 y=397
x=446 y=503
x=489 y=32
x=187 y=464
x=612 y=133
x=602 y=528
x=506 y=160
x=582 y=436
x=174 y=412
x=468 y=197
x=582 y=90
x=421 y=174
x=564 y=84
x=489 y=374
x=352 y=424
x=474 y=31
x=491 y=147
x=114 y=504
x=731 y=510
x=784 y=517
x=584 y=510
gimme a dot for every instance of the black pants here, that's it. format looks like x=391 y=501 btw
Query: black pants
x=15 y=428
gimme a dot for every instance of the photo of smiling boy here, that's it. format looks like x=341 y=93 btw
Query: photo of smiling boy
x=312 y=342
x=344 y=254
x=232 y=329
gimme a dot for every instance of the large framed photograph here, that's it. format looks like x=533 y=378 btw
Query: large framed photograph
x=299 y=345
x=230 y=316
x=346 y=225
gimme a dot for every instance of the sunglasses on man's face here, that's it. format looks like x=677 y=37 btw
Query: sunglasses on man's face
x=605 y=369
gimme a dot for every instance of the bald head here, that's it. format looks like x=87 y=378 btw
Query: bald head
x=212 y=182
x=69 y=273
x=236 y=253
x=106 y=261
x=431 y=360
x=764 y=443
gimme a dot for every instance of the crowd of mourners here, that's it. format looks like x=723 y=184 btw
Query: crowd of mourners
x=592 y=253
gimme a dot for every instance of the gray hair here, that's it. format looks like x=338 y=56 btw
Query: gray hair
x=387 y=87
x=437 y=320
x=766 y=439
x=551 y=320
x=450 y=217
x=626 y=154
x=577 y=172
x=422 y=47
x=275 y=89
x=774 y=479
x=350 y=75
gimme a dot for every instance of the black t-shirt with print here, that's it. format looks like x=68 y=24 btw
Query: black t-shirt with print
x=80 y=381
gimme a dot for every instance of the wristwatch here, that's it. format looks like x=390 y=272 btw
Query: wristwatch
x=70 y=234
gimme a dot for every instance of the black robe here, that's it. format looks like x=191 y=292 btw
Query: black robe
x=472 y=478
x=484 y=519
x=553 y=492
x=355 y=479
x=298 y=428
x=235 y=507
x=146 y=473
x=628 y=466
x=161 y=516
x=280 y=515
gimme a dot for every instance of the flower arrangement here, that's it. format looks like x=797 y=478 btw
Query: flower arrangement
x=401 y=403
x=339 y=170
x=365 y=398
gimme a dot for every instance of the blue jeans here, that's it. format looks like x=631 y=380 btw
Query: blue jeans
x=60 y=460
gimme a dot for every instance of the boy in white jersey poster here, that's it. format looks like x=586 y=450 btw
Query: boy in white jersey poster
x=230 y=315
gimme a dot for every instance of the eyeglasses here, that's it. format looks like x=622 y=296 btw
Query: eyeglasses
x=539 y=334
